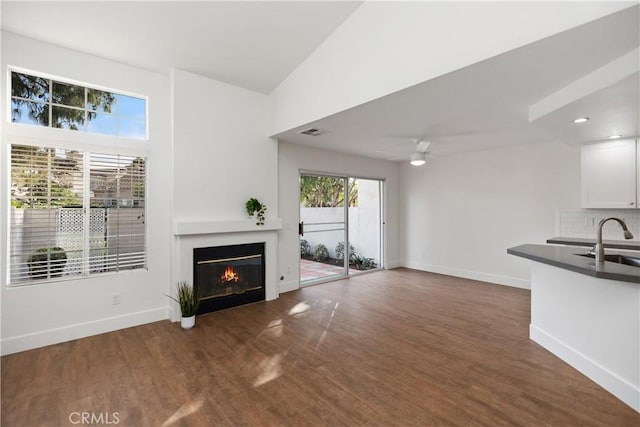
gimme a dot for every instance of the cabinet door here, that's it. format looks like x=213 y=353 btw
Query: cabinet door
x=609 y=175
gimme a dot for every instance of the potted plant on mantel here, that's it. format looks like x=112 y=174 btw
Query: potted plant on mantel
x=188 y=300
x=256 y=210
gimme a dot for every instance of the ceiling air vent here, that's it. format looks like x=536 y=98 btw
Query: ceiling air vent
x=313 y=132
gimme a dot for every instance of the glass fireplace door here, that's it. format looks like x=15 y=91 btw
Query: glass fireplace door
x=228 y=276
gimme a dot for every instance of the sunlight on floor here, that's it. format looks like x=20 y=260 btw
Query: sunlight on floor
x=273 y=329
x=324 y=333
x=184 y=411
x=271 y=369
x=300 y=307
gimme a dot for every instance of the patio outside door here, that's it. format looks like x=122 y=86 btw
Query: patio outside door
x=341 y=228
x=323 y=227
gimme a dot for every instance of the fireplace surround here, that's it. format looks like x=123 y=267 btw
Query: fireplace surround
x=192 y=234
x=228 y=276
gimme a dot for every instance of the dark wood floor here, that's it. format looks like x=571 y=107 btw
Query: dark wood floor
x=397 y=347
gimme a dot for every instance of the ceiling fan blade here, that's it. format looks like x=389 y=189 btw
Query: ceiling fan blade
x=423 y=145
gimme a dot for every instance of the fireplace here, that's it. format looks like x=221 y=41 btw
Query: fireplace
x=228 y=276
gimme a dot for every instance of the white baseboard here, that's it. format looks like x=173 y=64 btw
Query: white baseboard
x=292 y=285
x=393 y=264
x=81 y=330
x=470 y=274
x=614 y=384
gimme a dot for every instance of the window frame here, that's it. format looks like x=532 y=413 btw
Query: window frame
x=89 y=161
x=86 y=142
x=13 y=69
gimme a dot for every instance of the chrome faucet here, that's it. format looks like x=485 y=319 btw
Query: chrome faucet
x=599 y=247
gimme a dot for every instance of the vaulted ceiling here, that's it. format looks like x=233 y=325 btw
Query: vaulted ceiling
x=251 y=44
x=528 y=95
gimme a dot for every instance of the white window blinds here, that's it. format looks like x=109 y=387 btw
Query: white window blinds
x=75 y=213
x=117 y=238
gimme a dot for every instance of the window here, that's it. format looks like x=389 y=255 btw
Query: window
x=40 y=101
x=75 y=213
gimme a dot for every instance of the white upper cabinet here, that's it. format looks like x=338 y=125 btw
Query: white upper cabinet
x=609 y=178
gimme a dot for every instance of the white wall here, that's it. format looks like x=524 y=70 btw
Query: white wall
x=222 y=155
x=292 y=159
x=37 y=315
x=383 y=47
x=461 y=213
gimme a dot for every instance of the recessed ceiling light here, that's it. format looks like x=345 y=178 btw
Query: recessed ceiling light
x=615 y=137
x=581 y=120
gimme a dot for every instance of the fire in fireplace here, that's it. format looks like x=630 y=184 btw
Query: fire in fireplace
x=228 y=276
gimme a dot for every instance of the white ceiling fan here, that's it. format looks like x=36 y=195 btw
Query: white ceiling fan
x=417 y=157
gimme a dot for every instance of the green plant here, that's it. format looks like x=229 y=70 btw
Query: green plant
x=305 y=247
x=187 y=298
x=47 y=262
x=340 y=251
x=320 y=253
x=254 y=206
x=325 y=191
x=362 y=263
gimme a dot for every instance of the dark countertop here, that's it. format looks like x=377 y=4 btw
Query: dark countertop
x=632 y=245
x=565 y=257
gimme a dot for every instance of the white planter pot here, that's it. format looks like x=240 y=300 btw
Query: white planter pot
x=188 y=322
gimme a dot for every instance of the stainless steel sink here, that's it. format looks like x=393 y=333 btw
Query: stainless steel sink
x=619 y=259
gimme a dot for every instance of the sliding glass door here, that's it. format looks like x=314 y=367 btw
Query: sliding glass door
x=323 y=227
x=341 y=229
x=365 y=226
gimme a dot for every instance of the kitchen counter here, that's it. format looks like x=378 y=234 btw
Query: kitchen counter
x=632 y=245
x=588 y=315
x=565 y=257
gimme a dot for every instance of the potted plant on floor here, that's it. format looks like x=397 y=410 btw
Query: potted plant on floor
x=188 y=299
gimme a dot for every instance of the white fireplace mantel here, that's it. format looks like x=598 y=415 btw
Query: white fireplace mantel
x=191 y=234
x=186 y=228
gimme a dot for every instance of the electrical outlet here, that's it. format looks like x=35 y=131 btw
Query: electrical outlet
x=115 y=298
